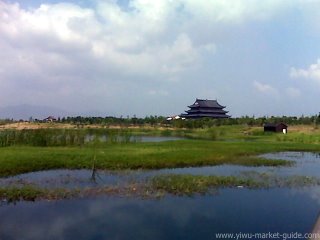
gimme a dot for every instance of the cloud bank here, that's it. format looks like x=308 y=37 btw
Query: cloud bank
x=263 y=88
x=312 y=72
x=119 y=57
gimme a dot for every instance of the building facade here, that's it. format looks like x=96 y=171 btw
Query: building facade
x=275 y=127
x=204 y=108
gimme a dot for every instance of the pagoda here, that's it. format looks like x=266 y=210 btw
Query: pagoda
x=204 y=108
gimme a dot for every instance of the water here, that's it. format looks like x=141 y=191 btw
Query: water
x=306 y=163
x=133 y=138
x=74 y=137
x=227 y=210
x=158 y=139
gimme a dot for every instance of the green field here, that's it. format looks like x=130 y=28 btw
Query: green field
x=43 y=150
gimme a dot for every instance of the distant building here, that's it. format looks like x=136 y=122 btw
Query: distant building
x=205 y=109
x=275 y=127
x=175 y=118
x=50 y=119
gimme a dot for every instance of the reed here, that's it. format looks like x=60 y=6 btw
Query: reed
x=63 y=137
x=185 y=184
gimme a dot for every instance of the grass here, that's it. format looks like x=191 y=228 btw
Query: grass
x=184 y=184
x=27 y=193
x=190 y=184
x=13 y=194
x=44 y=149
x=33 y=193
x=16 y=160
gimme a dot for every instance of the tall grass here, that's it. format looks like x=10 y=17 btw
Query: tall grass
x=63 y=137
x=84 y=136
x=299 y=138
x=42 y=137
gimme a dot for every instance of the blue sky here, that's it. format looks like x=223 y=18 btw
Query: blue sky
x=155 y=57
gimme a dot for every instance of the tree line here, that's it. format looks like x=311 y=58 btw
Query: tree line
x=188 y=123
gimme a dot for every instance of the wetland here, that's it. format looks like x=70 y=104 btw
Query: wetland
x=177 y=185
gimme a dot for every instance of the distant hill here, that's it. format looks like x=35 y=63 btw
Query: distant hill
x=26 y=111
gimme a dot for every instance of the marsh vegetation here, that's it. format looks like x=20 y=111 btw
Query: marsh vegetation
x=31 y=150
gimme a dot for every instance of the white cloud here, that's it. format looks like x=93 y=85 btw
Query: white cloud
x=234 y=10
x=158 y=92
x=312 y=72
x=56 y=50
x=263 y=88
x=131 y=41
x=293 y=92
x=153 y=37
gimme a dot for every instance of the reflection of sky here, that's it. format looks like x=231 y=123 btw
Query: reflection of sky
x=200 y=217
x=314 y=193
x=306 y=163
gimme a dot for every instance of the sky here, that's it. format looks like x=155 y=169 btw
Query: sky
x=143 y=57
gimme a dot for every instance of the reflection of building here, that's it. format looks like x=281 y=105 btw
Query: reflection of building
x=275 y=127
x=205 y=108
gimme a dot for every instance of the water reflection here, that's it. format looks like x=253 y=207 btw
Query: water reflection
x=232 y=210
x=200 y=217
x=129 y=138
x=306 y=163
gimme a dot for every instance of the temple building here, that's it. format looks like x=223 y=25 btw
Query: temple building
x=205 y=109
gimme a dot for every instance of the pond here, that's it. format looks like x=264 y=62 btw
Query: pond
x=200 y=217
x=227 y=210
x=157 y=138
x=77 y=137
x=132 y=138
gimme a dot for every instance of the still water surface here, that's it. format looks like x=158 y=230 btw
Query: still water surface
x=200 y=217
x=227 y=210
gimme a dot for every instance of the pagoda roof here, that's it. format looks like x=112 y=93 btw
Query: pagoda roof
x=201 y=115
x=206 y=110
x=206 y=103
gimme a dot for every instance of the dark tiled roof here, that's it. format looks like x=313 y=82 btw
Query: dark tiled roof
x=274 y=124
x=202 y=115
x=205 y=110
x=206 y=103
